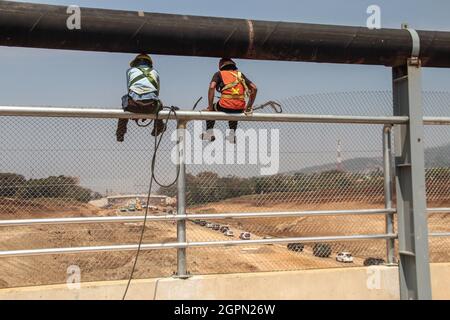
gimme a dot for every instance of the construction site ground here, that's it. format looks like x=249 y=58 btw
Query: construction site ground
x=52 y=269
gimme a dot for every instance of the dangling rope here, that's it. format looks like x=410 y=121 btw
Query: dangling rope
x=274 y=105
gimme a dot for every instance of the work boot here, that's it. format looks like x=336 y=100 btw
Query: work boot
x=208 y=135
x=231 y=138
x=158 y=128
x=120 y=137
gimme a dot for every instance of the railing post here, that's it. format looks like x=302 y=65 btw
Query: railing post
x=388 y=195
x=414 y=268
x=181 y=198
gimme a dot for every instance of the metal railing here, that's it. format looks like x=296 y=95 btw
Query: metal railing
x=182 y=217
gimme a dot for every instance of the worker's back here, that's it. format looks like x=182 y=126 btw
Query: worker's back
x=143 y=83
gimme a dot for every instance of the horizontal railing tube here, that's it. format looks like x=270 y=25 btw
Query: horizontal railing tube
x=436 y=120
x=202 y=115
x=218 y=216
x=194 y=115
x=438 y=210
x=178 y=245
x=440 y=234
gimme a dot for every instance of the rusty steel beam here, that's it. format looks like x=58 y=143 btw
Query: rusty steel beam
x=44 y=26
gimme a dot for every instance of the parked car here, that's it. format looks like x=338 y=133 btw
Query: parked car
x=245 y=236
x=374 y=262
x=216 y=227
x=209 y=225
x=197 y=221
x=297 y=247
x=123 y=209
x=224 y=228
x=345 y=257
x=202 y=223
x=322 y=250
x=229 y=233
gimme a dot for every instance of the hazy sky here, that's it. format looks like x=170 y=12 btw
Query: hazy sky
x=85 y=79
x=71 y=78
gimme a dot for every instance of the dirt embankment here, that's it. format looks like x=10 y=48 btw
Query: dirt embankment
x=25 y=271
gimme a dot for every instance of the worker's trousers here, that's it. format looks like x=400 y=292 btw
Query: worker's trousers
x=232 y=124
x=144 y=106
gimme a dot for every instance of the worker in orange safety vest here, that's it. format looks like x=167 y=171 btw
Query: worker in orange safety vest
x=235 y=88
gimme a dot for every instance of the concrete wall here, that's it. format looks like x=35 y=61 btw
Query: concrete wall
x=346 y=283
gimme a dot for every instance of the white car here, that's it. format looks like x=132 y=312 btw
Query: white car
x=229 y=233
x=210 y=225
x=245 y=236
x=345 y=257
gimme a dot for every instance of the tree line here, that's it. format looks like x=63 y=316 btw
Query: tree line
x=62 y=187
x=210 y=187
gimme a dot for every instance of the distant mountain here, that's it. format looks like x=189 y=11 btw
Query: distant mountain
x=434 y=157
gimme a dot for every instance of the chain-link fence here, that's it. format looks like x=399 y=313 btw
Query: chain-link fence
x=67 y=167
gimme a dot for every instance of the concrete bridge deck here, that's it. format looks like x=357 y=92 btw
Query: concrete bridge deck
x=373 y=283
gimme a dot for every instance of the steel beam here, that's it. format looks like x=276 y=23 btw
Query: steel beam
x=414 y=266
x=45 y=26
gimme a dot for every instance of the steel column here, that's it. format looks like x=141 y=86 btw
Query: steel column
x=181 y=198
x=414 y=266
x=388 y=196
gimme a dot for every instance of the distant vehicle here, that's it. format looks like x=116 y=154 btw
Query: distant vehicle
x=229 y=233
x=224 y=228
x=197 y=221
x=322 y=250
x=209 y=225
x=132 y=207
x=138 y=205
x=202 y=223
x=297 y=247
x=216 y=227
x=123 y=209
x=374 y=262
x=345 y=257
x=245 y=236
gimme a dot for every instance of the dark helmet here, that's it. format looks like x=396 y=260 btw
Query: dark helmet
x=226 y=62
x=141 y=58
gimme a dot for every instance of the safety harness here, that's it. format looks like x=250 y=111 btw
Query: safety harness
x=235 y=94
x=146 y=74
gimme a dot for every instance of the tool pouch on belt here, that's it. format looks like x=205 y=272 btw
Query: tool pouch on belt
x=143 y=106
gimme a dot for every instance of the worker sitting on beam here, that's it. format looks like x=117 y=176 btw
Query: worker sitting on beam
x=234 y=87
x=143 y=94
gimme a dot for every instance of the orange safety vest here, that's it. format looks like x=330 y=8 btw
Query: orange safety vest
x=234 y=91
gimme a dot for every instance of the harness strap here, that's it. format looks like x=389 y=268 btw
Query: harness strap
x=235 y=83
x=232 y=96
x=146 y=75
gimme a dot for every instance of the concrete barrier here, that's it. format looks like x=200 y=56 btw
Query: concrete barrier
x=378 y=282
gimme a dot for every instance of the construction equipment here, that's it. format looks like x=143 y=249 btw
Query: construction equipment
x=138 y=204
